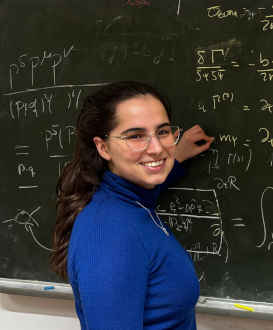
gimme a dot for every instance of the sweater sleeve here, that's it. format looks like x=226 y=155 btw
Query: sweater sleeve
x=112 y=271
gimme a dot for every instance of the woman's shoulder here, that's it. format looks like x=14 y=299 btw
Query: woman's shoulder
x=102 y=210
x=102 y=233
x=103 y=220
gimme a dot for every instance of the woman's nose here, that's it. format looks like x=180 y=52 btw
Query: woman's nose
x=154 y=145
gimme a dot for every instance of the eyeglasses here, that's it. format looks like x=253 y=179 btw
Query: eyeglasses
x=139 y=140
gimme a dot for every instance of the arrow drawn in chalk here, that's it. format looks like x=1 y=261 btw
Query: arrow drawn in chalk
x=28 y=220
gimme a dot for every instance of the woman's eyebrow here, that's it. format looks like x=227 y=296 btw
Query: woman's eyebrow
x=133 y=129
x=162 y=125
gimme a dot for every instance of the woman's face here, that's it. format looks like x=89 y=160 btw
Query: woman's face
x=146 y=168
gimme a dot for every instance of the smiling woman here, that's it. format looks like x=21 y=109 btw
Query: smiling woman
x=148 y=156
x=126 y=268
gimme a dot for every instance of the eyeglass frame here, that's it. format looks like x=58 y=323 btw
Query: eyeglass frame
x=149 y=138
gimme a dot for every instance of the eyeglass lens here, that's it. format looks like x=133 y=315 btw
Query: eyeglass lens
x=168 y=136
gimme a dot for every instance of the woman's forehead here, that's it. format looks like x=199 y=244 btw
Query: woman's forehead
x=141 y=111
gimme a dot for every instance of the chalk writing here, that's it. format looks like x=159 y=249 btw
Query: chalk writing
x=258 y=14
x=268 y=137
x=267 y=240
x=228 y=183
x=213 y=75
x=212 y=63
x=223 y=97
x=31 y=90
x=228 y=138
x=266 y=72
x=25 y=63
x=217 y=101
x=216 y=11
x=120 y=52
x=178 y=8
x=24 y=169
x=21 y=150
x=29 y=222
x=242 y=158
x=58 y=136
x=20 y=109
x=267 y=23
x=207 y=69
x=238 y=222
x=61 y=165
x=187 y=211
x=266 y=105
x=73 y=96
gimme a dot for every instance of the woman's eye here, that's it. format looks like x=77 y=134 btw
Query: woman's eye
x=136 y=137
x=163 y=132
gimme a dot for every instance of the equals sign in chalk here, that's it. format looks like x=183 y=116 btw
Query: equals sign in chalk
x=47 y=288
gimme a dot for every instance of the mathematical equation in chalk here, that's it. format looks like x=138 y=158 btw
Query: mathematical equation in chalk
x=196 y=214
x=30 y=66
x=232 y=152
x=217 y=100
x=122 y=51
x=261 y=15
x=57 y=141
x=196 y=218
x=215 y=64
x=27 y=106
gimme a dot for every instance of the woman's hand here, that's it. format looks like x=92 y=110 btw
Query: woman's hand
x=188 y=146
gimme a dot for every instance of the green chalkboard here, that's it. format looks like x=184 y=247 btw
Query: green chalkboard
x=215 y=62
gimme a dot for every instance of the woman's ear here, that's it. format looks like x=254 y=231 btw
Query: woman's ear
x=102 y=148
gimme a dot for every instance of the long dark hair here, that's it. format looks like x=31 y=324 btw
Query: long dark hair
x=81 y=177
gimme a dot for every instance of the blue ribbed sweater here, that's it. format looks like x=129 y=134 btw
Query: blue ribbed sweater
x=126 y=273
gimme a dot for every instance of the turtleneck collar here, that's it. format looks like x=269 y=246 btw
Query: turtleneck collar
x=129 y=191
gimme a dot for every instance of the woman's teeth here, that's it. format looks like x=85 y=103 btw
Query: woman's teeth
x=153 y=164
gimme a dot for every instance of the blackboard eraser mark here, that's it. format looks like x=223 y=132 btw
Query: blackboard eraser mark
x=47 y=288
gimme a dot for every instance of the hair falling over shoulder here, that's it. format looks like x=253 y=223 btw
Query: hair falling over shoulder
x=75 y=188
x=79 y=180
x=82 y=176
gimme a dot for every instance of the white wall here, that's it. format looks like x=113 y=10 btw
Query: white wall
x=217 y=322
x=32 y=313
